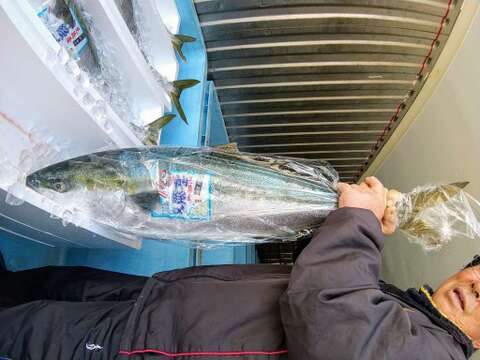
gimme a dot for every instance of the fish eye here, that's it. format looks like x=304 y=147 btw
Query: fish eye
x=59 y=186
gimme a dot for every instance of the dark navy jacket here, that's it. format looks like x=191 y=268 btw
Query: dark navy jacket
x=330 y=306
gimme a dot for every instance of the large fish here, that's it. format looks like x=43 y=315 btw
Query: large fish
x=214 y=196
x=208 y=196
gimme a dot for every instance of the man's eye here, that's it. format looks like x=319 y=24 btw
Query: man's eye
x=475 y=292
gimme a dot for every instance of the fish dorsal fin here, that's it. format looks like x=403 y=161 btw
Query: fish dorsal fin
x=230 y=148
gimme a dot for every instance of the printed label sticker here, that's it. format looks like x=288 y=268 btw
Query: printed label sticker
x=67 y=31
x=183 y=195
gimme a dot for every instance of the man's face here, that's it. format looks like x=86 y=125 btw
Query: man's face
x=458 y=298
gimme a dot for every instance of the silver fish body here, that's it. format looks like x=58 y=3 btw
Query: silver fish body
x=205 y=196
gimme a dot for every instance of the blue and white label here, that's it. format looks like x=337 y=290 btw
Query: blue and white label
x=67 y=33
x=182 y=194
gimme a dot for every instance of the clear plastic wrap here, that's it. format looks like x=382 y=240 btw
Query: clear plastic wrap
x=433 y=215
x=75 y=30
x=203 y=197
x=157 y=45
x=108 y=79
x=41 y=148
x=145 y=38
x=218 y=196
x=116 y=86
x=63 y=23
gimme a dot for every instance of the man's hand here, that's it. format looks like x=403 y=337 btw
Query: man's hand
x=370 y=195
x=389 y=221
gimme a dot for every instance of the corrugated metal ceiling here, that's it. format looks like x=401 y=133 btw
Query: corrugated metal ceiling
x=321 y=79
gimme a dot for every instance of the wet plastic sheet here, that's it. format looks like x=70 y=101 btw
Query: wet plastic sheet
x=433 y=215
x=218 y=196
x=42 y=148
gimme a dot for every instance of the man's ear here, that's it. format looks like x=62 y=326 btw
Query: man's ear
x=476 y=344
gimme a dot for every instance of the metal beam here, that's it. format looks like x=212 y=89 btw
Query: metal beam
x=306 y=107
x=325 y=153
x=354 y=43
x=309 y=112
x=236 y=132
x=323 y=95
x=422 y=6
x=265 y=17
x=305 y=148
x=306 y=118
x=282 y=139
x=335 y=59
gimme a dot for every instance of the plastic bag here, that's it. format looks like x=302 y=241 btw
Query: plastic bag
x=42 y=149
x=433 y=215
x=218 y=196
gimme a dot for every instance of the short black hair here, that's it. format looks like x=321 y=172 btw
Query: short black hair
x=475 y=261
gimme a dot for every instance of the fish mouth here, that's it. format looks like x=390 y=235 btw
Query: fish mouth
x=457 y=293
x=33 y=182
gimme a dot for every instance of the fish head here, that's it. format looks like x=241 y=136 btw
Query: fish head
x=58 y=178
x=94 y=172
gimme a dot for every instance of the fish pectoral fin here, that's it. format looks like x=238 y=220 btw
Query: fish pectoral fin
x=146 y=200
x=178 y=41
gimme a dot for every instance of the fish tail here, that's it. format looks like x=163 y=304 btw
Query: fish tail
x=179 y=86
x=460 y=185
x=178 y=41
x=153 y=130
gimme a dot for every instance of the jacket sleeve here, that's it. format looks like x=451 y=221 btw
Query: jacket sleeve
x=334 y=308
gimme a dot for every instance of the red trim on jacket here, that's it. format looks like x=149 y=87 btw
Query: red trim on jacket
x=200 y=353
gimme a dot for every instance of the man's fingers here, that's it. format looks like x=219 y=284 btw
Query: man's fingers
x=389 y=221
x=364 y=186
x=374 y=184
x=390 y=213
x=393 y=196
x=341 y=187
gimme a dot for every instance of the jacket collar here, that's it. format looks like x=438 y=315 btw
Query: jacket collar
x=422 y=301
